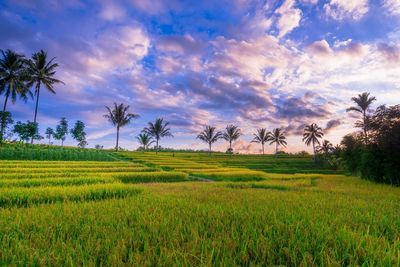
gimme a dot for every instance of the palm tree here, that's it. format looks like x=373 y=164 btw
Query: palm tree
x=278 y=137
x=209 y=135
x=231 y=134
x=40 y=72
x=145 y=140
x=157 y=130
x=12 y=77
x=326 y=147
x=311 y=135
x=363 y=102
x=261 y=137
x=119 y=117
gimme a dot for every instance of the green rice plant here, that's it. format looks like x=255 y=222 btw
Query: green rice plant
x=55 y=181
x=258 y=186
x=25 y=197
x=151 y=177
x=231 y=176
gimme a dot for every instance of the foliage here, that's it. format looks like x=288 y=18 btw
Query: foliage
x=157 y=130
x=261 y=137
x=6 y=122
x=49 y=134
x=379 y=160
x=363 y=102
x=27 y=131
x=278 y=137
x=79 y=134
x=119 y=117
x=312 y=134
x=231 y=134
x=145 y=140
x=61 y=131
x=210 y=135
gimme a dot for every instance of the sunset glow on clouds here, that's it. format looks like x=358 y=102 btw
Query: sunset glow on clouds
x=253 y=63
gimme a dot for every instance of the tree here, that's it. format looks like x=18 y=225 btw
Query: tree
x=27 y=130
x=6 y=121
x=119 y=117
x=79 y=134
x=49 y=134
x=61 y=131
x=40 y=72
x=325 y=148
x=278 y=137
x=145 y=140
x=210 y=135
x=311 y=135
x=261 y=137
x=157 y=130
x=363 y=102
x=12 y=77
x=231 y=134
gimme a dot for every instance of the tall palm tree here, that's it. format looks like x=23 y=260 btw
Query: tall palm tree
x=145 y=140
x=119 y=117
x=363 y=102
x=261 y=137
x=311 y=135
x=209 y=135
x=12 y=77
x=278 y=137
x=326 y=147
x=40 y=72
x=231 y=134
x=157 y=130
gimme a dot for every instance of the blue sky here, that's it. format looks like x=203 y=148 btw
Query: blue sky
x=253 y=63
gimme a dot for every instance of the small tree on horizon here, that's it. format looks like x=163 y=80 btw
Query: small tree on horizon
x=312 y=134
x=231 y=134
x=261 y=137
x=145 y=140
x=79 y=134
x=210 y=135
x=119 y=117
x=363 y=102
x=27 y=130
x=49 y=134
x=61 y=131
x=157 y=130
x=278 y=137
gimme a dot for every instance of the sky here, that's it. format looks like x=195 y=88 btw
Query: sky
x=251 y=63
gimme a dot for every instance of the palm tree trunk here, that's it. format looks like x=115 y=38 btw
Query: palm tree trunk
x=3 y=117
x=37 y=104
x=49 y=140
x=276 y=148
x=116 y=145
x=262 y=148
x=62 y=142
x=313 y=147
x=209 y=144
x=365 y=127
x=156 y=145
x=230 y=144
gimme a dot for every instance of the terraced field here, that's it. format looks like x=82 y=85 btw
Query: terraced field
x=23 y=183
x=186 y=209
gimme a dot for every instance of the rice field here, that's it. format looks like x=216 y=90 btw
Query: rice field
x=189 y=210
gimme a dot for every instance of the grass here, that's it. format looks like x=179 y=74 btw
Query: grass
x=89 y=213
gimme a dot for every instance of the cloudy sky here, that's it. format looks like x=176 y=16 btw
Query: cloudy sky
x=252 y=63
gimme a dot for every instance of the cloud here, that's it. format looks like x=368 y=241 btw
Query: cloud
x=332 y=124
x=391 y=53
x=111 y=11
x=344 y=9
x=289 y=18
x=392 y=6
